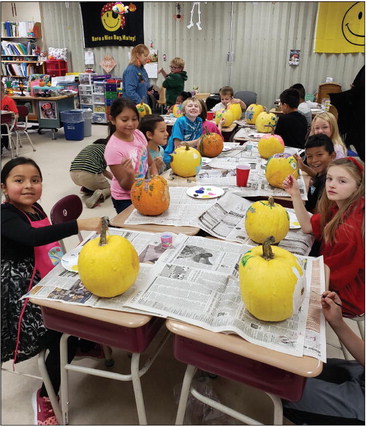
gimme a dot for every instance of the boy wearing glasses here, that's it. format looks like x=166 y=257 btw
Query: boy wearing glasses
x=174 y=81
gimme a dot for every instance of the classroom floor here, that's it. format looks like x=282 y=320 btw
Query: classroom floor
x=101 y=401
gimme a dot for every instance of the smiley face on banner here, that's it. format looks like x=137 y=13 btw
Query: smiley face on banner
x=353 y=24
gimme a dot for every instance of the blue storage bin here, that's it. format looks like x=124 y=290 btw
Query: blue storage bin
x=73 y=122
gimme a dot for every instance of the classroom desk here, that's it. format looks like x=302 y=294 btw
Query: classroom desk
x=119 y=222
x=59 y=103
x=134 y=333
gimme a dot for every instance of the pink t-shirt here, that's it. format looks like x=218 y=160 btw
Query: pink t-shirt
x=118 y=150
x=211 y=127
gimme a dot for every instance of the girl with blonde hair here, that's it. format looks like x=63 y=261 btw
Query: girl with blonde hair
x=326 y=123
x=135 y=80
x=339 y=226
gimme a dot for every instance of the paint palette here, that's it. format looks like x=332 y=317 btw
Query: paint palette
x=70 y=259
x=294 y=223
x=202 y=192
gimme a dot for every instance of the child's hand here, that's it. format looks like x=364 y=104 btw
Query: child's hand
x=91 y=224
x=290 y=185
x=158 y=162
x=128 y=166
x=331 y=308
x=299 y=161
x=161 y=70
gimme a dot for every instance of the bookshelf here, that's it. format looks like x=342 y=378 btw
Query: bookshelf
x=20 y=48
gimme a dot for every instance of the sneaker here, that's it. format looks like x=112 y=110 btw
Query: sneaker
x=92 y=201
x=43 y=411
x=95 y=353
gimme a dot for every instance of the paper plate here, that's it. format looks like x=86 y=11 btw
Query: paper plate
x=207 y=191
x=70 y=259
x=294 y=223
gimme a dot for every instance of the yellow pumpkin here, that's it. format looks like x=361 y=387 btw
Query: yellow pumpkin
x=235 y=110
x=227 y=115
x=252 y=113
x=143 y=109
x=211 y=144
x=108 y=265
x=265 y=122
x=177 y=110
x=265 y=218
x=269 y=145
x=150 y=196
x=279 y=166
x=186 y=161
x=270 y=283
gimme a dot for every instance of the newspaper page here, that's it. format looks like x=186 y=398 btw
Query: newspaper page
x=196 y=280
x=226 y=220
x=195 y=287
x=183 y=210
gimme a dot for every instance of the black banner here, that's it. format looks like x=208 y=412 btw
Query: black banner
x=113 y=24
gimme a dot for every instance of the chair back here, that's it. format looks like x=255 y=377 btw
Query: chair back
x=7 y=118
x=66 y=209
x=162 y=98
x=246 y=96
x=23 y=112
x=326 y=88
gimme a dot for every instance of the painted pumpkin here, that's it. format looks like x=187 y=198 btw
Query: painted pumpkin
x=108 y=265
x=143 y=109
x=265 y=218
x=278 y=167
x=177 y=110
x=235 y=110
x=227 y=115
x=252 y=113
x=269 y=145
x=186 y=161
x=211 y=144
x=270 y=283
x=150 y=196
x=265 y=122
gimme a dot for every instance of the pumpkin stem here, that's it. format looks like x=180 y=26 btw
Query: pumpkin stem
x=186 y=145
x=270 y=201
x=103 y=234
x=267 y=250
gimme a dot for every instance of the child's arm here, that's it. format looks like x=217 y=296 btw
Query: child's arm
x=163 y=72
x=302 y=166
x=333 y=314
x=124 y=173
x=239 y=101
x=303 y=216
x=108 y=174
x=194 y=143
x=91 y=224
x=152 y=165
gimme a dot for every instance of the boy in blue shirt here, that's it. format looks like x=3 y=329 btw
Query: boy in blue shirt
x=187 y=129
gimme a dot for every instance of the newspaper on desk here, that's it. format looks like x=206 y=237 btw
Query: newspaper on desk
x=258 y=186
x=225 y=220
x=196 y=281
x=183 y=210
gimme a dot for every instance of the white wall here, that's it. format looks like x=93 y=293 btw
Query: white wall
x=261 y=37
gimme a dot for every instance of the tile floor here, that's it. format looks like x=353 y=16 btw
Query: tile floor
x=107 y=402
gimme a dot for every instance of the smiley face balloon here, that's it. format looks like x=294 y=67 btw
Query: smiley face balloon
x=353 y=24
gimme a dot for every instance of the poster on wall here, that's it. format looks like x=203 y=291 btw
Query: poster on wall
x=47 y=110
x=340 y=27
x=294 y=58
x=112 y=24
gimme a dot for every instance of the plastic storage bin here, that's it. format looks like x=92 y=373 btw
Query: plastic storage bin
x=56 y=68
x=88 y=115
x=73 y=122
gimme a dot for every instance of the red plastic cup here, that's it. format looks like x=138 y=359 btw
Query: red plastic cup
x=210 y=115
x=242 y=174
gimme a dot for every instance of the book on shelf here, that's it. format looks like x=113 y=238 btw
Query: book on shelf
x=25 y=29
x=9 y=48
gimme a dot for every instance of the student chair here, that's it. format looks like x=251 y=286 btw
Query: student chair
x=162 y=100
x=7 y=126
x=246 y=96
x=21 y=127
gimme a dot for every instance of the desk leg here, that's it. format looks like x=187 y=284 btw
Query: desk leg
x=136 y=382
x=64 y=388
x=184 y=394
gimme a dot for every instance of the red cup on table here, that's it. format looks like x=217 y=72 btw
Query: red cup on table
x=242 y=174
x=210 y=115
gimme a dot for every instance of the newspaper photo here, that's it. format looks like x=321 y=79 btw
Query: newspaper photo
x=226 y=218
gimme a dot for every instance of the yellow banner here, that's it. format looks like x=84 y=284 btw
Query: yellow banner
x=340 y=27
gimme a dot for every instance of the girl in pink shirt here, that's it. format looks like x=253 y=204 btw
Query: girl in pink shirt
x=209 y=125
x=126 y=152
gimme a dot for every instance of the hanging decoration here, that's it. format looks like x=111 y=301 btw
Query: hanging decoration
x=178 y=16
x=108 y=63
x=198 y=23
